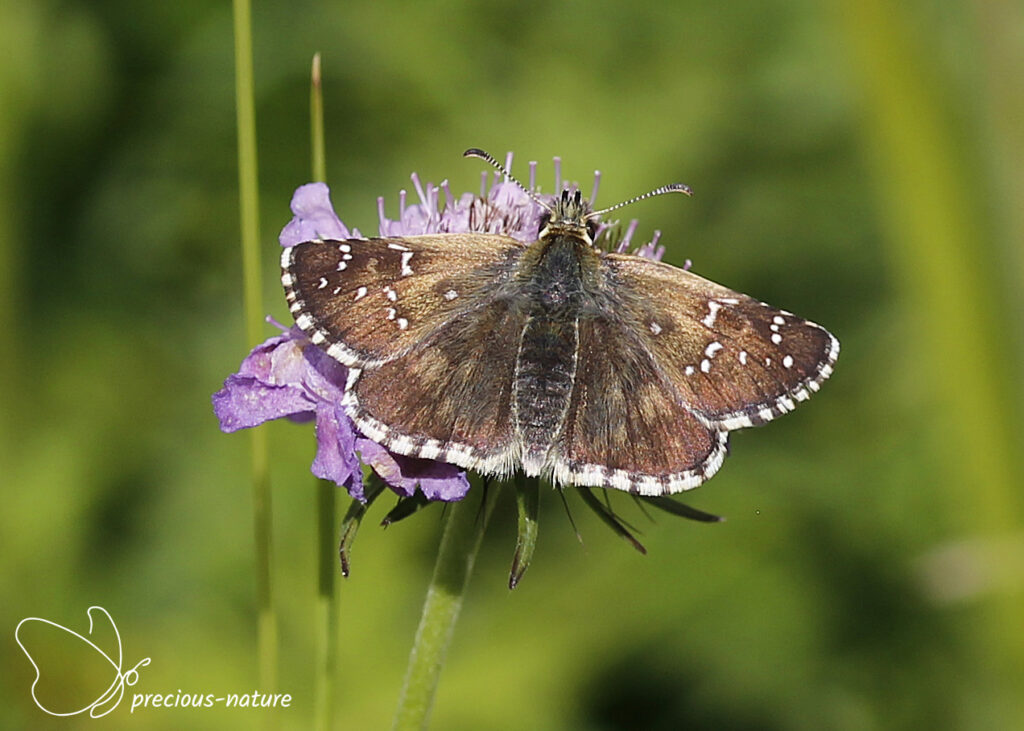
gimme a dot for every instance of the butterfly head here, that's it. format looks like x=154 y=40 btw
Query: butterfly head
x=569 y=215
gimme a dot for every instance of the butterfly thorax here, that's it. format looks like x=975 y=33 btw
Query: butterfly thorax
x=554 y=273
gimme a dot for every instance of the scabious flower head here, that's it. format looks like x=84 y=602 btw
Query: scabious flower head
x=288 y=377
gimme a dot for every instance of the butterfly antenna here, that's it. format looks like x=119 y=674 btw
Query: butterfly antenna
x=476 y=152
x=673 y=188
x=481 y=511
x=568 y=513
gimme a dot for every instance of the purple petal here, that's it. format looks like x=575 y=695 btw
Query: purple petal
x=278 y=361
x=245 y=402
x=335 y=454
x=440 y=481
x=508 y=196
x=437 y=480
x=314 y=217
x=415 y=220
x=324 y=377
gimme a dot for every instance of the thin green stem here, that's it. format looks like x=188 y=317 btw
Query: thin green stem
x=327 y=603
x=248 y=194
x=327 y=606
x=463 y=531
x=316 y=121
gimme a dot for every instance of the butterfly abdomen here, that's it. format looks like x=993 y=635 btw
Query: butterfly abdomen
x=546 y=361
x=545 y=371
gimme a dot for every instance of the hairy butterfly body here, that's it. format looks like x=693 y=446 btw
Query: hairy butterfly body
x=558 y=358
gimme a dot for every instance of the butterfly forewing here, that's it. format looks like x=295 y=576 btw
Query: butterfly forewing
x=734 y=360
x=366 y=301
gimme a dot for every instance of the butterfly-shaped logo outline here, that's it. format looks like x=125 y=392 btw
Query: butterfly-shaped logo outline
x=113 y=694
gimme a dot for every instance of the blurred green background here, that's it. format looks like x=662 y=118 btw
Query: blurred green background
x=858 y=163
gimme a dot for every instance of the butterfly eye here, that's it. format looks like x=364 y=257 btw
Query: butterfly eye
x=592 y=228
x=545 y=219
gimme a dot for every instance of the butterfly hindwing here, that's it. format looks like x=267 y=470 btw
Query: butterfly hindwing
x=735 y=361
x=366 y=301
x=625 y=427
x=450 y=397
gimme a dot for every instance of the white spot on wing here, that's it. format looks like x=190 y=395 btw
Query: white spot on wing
x=406 y=269
x=323 y=283
x=360 y=293
x=705 y=366
x=713 y=308
x=743 y=357
x=450 y=295
x=402 y=323
x=712 y=349
x=397 y=247
x=655 y=328
x=788 y=361
x=776 y=338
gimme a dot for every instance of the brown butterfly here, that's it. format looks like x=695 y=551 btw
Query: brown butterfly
x=556 y=357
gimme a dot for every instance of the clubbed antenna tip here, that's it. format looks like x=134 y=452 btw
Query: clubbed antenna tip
x=487 y=157
x=672 y=188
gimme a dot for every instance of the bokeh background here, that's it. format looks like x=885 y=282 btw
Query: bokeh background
x=857 y=162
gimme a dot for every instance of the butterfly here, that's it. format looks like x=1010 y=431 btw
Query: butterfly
x=557 y=358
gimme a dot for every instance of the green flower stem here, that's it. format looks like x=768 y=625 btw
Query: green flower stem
x=316 y=122
x=327 y=603
x=464 y=528
x=327 y=607
x=248 y=194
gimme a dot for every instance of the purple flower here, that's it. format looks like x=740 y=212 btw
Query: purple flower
x=288 y=377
